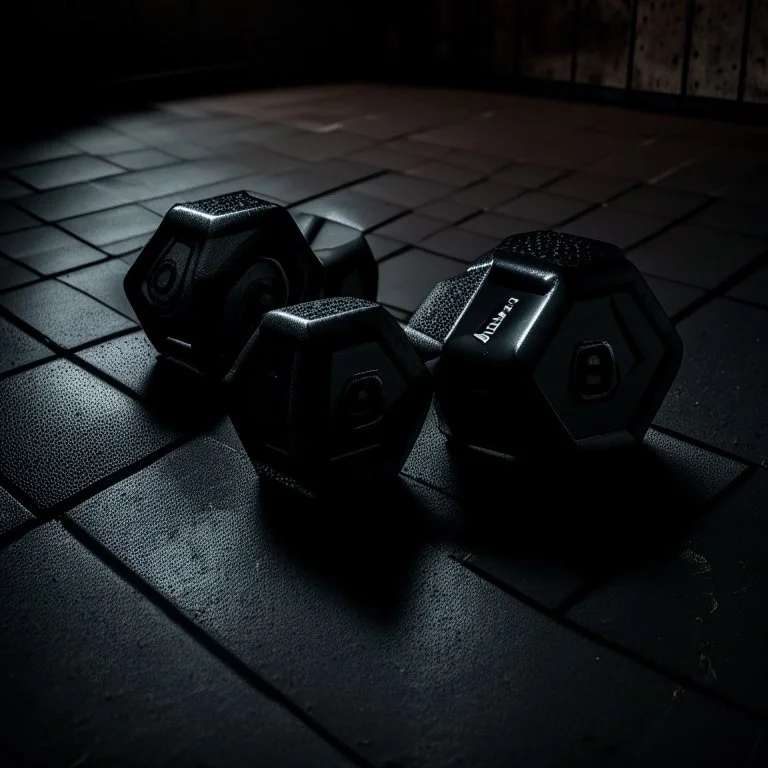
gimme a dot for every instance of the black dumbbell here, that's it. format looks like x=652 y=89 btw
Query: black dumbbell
x=548 y=342
x=214 y=267
x=328 y=395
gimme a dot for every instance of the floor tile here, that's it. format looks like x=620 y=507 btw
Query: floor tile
x=645 y=161
x=736 y=216
x=13 y=275
x=404 y=633
x=316 y=146
x=10 y=189
x=661 y=201
x=35 y=152
x=68 y=170
x=387 y=159
x=12 y=219
x=104 y=282
x=383 y=127
x=48 y=250
x=156 y=182
x=183 y=150
x=552 y=555
x=487 y=194
x=700 y=256
x=18 y=348
x=576 y=151
x=703 y=605
x=101 y=140
x=113 y=225
x=130 y=360
x=174 y=398
x=543 y=207
x=591 y=187
x=753 y=189
x=416 y=148
x=296 y=186
x=622 y=228
x=702 y=177
x=64 y=315
x=498 y=227
x=352 y=209
x=448 y=210
x=477 y=162
x=402 y=190
x=64 y=203
x=149 y=679
x=11 y=512
x=673 y=297
x=445 y=173
x=64 y=429
x=130 y=258
x=718 y=394
x=139 y=159
x=344 y=169
x=122 y=247
x=528 y=175
x=459 y=243
x=412 y=228
x=406 y=279
x=753 y=288
x=382 y=247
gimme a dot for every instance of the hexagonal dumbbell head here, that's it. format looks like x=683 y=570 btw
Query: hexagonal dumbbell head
x=348 y=263
x=214 y=267
x=328 y=395
x=550 y=340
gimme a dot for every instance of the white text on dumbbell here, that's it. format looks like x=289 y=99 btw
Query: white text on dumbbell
x=496 y=321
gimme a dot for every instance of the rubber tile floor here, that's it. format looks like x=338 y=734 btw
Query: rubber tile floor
x=160 y=608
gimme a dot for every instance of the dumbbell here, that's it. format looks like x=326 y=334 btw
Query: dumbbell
x=550 y=342
x=214 y=267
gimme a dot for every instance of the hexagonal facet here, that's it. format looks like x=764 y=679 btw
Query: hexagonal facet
x=328 y=394
x=558 y=341
x=214 y=267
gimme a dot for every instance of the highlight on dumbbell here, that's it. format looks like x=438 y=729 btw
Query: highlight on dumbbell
x=214 y=267
x=548 y=342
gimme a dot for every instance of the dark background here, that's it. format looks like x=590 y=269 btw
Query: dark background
x=69 y=55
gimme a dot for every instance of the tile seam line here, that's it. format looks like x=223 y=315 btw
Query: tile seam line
x=720 y=291
x=222 y=654
x=595 y=583
x=70 y=355
x=669 y=674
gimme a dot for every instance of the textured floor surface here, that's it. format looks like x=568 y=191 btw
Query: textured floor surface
x=159 y=609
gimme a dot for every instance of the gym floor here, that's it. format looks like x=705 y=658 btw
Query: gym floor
x=159 y=609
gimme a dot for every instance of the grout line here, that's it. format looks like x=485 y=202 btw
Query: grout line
x=19 y=531
x=722 y=287
x=681 y=679
x=722 y=452
x=214 y=647
x=596 y=582
x=55 y=511
x=578 y=594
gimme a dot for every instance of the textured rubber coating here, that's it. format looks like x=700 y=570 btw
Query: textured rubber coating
x=558 y=249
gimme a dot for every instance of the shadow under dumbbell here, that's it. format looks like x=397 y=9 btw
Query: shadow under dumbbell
x=598 y=513
x=181 y=398
x=364 y=544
